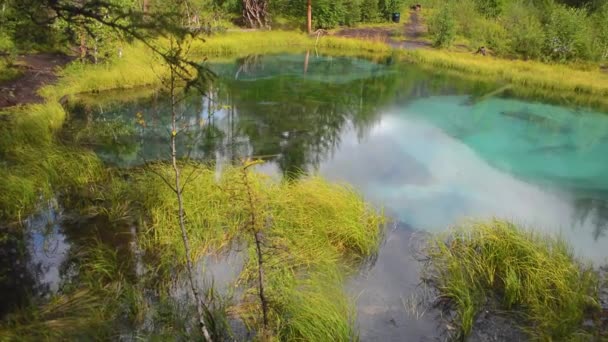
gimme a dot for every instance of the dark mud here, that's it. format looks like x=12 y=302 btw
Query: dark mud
x=493 y=325
x=37 y=71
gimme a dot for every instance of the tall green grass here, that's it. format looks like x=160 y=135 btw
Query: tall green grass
x=314 y=234
x=577 y=85
x=80 y=314
x=33 y=163
x=87 y=309
x=238 y=43
x=531 y=274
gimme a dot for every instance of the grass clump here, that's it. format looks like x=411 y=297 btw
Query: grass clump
x=77 y=315
x=317 y=232
x=33 y=163
x=314 y=233
x=90 y=307
x=534 y=275
x=8 y=71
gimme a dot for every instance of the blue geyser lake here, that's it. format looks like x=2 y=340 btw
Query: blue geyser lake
x=429 y=148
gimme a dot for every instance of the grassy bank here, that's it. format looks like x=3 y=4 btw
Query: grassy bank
x=584 y=85
x=140 y=67
x=532 y=276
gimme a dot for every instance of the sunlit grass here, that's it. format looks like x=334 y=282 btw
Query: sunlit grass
x=262 y=42
x=315 y=233
x=319 y=232
x=33 y=164
x=138 y=67
x=530 y=273
x=579 y=85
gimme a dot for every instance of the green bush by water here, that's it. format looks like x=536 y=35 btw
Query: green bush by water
x=535 y=275
x=544 y=30
x=443 y=27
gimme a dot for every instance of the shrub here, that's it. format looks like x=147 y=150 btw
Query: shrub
x=490 y=8
x=369 y=11
x=526 y=32
x=489 y=33
x=466 y=16
x=568 y=35
x=328 y=14
x=443 y=27
x=6 y=43
x=353 y=12
x=600 y=24
x=388 y=7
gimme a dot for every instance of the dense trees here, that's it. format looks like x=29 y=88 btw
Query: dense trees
x=94 y=26
x=553 y=30
x=549 y=30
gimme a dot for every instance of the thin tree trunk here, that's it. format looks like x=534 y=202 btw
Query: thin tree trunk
x=257 y=235
x=189 y=20
x=83 y=45
x=309 y=16
x=306 y=61
x=95 y=51
x=182 y=225
x=255 y=12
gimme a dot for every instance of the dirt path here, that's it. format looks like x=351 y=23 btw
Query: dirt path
x=413 y=30
x=38 y=70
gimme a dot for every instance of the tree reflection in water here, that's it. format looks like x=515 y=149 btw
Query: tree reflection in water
x=595 y=212
x=289 y=109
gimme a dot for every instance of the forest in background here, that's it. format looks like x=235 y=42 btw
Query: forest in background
x=546 y=30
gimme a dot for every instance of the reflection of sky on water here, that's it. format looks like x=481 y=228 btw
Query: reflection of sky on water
x=431 y=180
x=437 y=161
x=47 y=247
x=423 y=169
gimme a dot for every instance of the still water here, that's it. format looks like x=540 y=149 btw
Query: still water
x=430 y=149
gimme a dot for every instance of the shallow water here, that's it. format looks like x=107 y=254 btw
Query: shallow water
x=430 y=149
